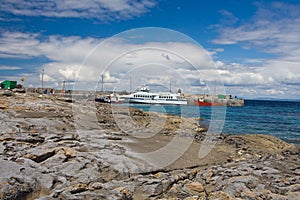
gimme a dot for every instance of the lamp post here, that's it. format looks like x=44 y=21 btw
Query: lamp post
x=43 y=81
x=63 y=88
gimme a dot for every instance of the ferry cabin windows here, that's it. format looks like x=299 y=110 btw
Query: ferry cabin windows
x=142 y=96
x=165 y=97
x=152 y=96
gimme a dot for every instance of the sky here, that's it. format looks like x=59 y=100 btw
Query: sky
x=247 y=48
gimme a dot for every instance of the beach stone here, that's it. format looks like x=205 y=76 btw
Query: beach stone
x=293 y=195
x=3 y=106
x=9 y=169
x=297 y=171
x=219 y=195
x=208 y=175
x=16 y=181
x=248 y=194
x=88 y=174
x=194 y=188
x=45 y=181
x=269 y=170
x=2 y=148
x=151 y=186
x=176 y=191
x=293 y=188
x=125 y=193
x=200 y=130
x=15 y=191
x=45 y=198
x=55 y=163
x=235 y=189
x=77 y=188
x=67 y=151
x=243 y=179
x=71 y=168
x=40 y=157
x=96 y=185
x=189 y=198
x=39 y=154
x=260 y=187
x=166 y=184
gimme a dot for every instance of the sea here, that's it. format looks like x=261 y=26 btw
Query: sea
x=277 y=118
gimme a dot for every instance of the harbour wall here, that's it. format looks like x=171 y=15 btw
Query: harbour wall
x=227 y=101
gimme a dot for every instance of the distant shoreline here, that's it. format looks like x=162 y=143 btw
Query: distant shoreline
x=274 y=99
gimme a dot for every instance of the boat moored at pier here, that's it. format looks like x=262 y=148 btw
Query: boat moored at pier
x=202 y=102
x=144 y=96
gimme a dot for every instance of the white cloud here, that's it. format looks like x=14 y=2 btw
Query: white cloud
x=228 y=18
x=235 y=74
x=149 y=62
x=46 y=78
x=17 y=44
x=95 y=9
x=282 y=71
x=67 y=49
x=274 y=29
x=275 y=92
x=5 y=67
x=69 y=72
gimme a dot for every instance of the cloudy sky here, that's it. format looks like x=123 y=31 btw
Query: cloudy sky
x=251 y=47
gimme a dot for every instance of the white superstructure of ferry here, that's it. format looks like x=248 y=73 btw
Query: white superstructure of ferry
x=144 y=96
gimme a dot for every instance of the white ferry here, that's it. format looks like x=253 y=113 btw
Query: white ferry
x=144 y=96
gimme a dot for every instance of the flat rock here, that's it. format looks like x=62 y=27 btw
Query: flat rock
x=9 y=169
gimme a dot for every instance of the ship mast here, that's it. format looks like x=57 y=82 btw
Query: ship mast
x=215 y=89
x=102 y=83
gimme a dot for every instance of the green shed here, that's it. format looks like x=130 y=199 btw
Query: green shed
x=221 y=96
x=9 y=84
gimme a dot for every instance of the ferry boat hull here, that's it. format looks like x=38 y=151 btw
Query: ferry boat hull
x=165 y=102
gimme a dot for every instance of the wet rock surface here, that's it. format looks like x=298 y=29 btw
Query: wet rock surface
x=53 y=149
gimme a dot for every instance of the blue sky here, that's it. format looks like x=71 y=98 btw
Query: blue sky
x=255 y=45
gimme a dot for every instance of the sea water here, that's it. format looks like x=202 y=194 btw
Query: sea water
x=277 y=118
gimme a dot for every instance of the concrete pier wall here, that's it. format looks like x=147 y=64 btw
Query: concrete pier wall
x=225 y=102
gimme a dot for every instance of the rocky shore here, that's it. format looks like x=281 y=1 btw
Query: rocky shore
x=52 y=148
